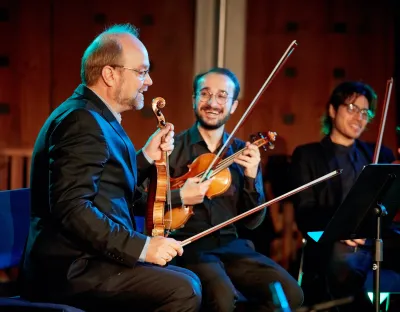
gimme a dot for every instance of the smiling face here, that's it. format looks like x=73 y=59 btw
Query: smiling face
x=131 y=82
x=213 y=103
x=348 y=124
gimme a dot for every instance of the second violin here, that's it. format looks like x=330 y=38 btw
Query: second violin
x=220 y=176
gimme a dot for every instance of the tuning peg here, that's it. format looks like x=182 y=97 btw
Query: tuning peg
x=272 y=136
x=271 y=145
x=262 y=136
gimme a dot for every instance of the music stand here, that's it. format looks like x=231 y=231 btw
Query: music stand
x=375 y=194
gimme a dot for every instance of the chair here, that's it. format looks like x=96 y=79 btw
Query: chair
x=14 y=168
x=14 y=227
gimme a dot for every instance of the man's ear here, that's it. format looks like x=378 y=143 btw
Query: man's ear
x=234 y=106
x=332 y=111
x=108 y=75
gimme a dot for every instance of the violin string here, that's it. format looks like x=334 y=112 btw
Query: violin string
x=225 y=163
x=169 y=205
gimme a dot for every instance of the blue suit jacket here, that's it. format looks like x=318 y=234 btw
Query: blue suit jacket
x=83 y=177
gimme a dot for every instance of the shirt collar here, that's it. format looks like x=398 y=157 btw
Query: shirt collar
x=195 y=136
x=341 y=149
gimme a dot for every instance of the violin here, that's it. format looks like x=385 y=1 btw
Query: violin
x=220 y=176
x=159 y=190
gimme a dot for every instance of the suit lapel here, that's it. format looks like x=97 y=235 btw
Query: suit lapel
x=331 y=164
x=128 y=143
x=108 y=115
x=367 y=150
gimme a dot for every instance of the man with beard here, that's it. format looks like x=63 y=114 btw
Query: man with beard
x=224 y=262
x=82 y=247
x=341 y=268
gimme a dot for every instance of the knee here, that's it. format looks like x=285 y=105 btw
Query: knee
x=189 y=291
x=295 y=296
x=221 y=298
x=349 y=267
x=347 y=275
x=293 y=292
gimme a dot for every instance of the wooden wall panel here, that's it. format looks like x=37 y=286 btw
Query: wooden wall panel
x=33 y=67
x=46 y=43
x=9 y=122
x=166 y=30
x=364 y=51
x=47 y=39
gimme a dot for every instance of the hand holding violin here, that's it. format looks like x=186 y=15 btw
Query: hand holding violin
x=193 y=192
x=162 y=250
x=160 y=141
x=249 y=159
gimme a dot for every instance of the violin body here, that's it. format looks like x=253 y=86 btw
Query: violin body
x=157 y=191
x=220 y=181
x=179 y=216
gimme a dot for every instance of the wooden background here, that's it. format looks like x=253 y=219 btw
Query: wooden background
x=42 y=43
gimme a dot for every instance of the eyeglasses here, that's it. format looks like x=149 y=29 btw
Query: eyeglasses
x=141 y=73
x=221 y=97
x=366 y=114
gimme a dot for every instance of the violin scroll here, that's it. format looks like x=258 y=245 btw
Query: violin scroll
x=157 y=104
x=264 y=140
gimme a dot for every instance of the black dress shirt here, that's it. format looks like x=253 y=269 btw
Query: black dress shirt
x=352 y=161
x=243 y=194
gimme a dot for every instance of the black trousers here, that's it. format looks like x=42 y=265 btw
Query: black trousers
x=144 y=288
x=234 y=265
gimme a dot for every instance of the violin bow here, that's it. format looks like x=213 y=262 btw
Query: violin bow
x=267 y=82
x=378 y=145
x=262 y=206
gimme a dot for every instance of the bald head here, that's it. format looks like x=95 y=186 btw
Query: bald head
x=111 y=47
x=134 y=53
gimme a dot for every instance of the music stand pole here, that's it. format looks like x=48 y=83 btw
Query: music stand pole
x=380 y=211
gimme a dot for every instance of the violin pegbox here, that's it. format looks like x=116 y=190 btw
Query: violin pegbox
x=157 y=104
x=264 y=140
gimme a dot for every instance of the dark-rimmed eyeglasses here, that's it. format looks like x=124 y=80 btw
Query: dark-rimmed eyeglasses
x=141 y=73
x=365 y=113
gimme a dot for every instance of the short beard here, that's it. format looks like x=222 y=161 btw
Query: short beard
x=207 y=126
x=125 y=102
